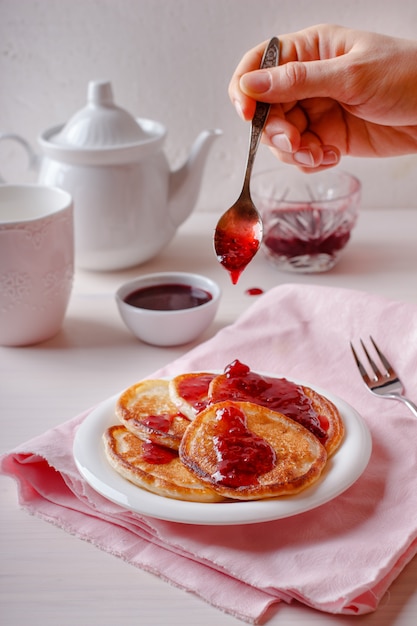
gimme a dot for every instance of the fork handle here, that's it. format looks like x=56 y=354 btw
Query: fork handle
x=407 y=402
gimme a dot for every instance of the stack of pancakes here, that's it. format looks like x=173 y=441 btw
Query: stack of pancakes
x=208 y=437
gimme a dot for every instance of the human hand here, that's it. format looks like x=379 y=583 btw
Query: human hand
x=336 y=92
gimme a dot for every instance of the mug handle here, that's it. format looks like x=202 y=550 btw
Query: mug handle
x=33 y=159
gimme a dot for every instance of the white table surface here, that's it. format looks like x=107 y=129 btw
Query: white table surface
x=49 y=577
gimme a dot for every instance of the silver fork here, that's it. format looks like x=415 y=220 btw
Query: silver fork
x=385 y=384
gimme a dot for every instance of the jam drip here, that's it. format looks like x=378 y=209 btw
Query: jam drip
x=160 y=423
x=194 y=389
x=242 y=456
x=277 y=394
x=156 y=454
x=254 y=291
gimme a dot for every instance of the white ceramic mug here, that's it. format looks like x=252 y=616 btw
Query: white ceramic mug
x=36 y=262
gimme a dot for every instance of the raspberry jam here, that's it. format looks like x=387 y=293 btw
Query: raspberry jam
x=306 y=238
x=160 y=423
x=170 y=297
x=194 y=390
x=156 y=454
x=294 y=246
x=235 y=253
x=254 y=291
x=277 y=394
x=242 y=456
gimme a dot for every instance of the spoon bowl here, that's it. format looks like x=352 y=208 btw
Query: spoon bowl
x=239 y=231
x=238 y=236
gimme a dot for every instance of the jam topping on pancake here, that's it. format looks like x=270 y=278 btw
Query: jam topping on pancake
x=194 y=389
x=242 y=455
x=156 y=454
x=278 y=394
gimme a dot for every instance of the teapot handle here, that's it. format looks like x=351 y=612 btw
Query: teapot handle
x=32 y=156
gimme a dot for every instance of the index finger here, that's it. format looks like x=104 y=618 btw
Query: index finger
x=250 y=61
x=310 y=44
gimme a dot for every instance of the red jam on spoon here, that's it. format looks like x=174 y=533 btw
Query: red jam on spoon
x=239 y=231
x=236 y=249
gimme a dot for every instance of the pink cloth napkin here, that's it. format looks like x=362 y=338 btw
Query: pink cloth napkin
x=340 y=557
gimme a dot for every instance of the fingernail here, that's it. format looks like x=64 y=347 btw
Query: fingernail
x=281 y=141
x=257 y=81
x=238 y=108
x=330 y=157
x=304 y=157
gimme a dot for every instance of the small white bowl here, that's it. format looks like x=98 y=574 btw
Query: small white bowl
x=174 y=326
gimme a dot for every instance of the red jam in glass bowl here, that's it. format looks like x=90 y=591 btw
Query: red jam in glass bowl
x=308 y=218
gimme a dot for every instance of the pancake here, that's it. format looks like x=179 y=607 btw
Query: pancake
x=246 y=451
x=330 y=419
x=153 y=467
x=300 y=403
x=146 y=409
x=189 y=392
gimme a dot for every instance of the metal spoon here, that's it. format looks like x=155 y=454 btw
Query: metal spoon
x=239 y=231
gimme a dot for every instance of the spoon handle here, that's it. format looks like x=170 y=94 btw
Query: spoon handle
x=269 y=59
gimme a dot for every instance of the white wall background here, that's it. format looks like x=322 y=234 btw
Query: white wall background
x=171 y=60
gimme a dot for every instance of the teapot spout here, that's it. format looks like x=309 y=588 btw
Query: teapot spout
x=185 y=182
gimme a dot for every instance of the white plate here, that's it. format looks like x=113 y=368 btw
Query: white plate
x=342 y=470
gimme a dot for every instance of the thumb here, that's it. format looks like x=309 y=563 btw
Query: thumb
x=295 y=80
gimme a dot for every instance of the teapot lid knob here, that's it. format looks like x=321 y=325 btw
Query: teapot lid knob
x=101 y=124
x=100 y=93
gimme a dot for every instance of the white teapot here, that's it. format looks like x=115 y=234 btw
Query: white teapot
x=127 y=203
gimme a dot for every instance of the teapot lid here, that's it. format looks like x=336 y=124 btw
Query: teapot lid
x=102 y=132
x=101 y=123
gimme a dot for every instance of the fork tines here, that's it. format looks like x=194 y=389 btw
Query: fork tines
x=386 y=385
x=384 y=361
